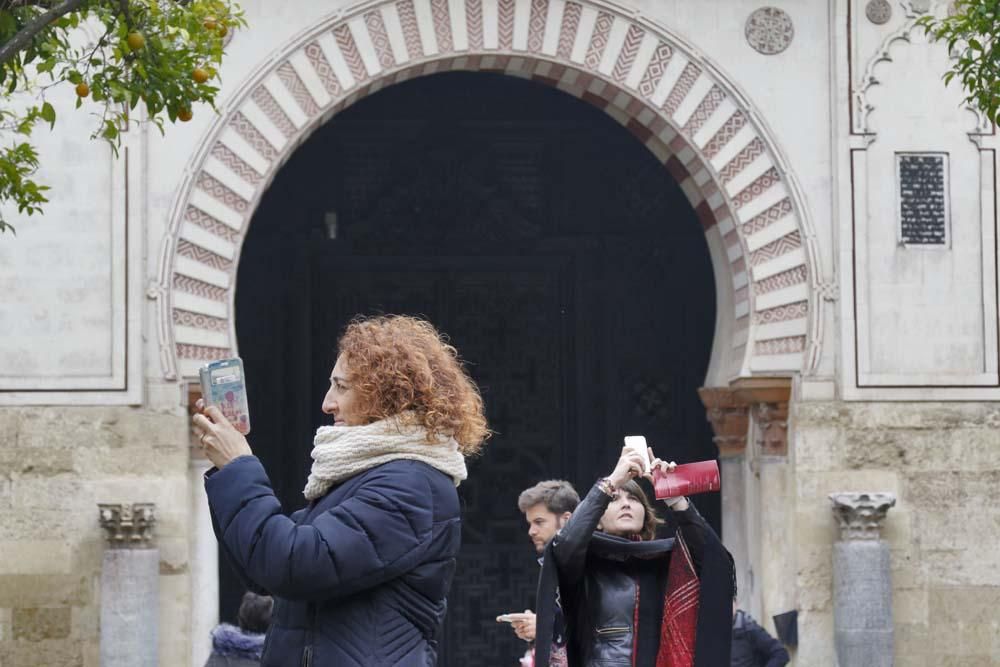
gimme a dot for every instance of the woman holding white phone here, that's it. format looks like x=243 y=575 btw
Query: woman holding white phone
x=361 y=575
x=629 y=598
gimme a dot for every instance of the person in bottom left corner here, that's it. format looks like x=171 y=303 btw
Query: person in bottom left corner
x=241 y=645
x=360 y=576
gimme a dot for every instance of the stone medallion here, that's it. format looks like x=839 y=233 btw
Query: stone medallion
x=878 y=11
x=769 y=30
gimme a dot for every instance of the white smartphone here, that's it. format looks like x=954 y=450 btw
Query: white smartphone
x=638 y=444
x=505 y=618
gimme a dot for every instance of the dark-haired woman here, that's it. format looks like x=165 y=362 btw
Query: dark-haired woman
x=630 y=599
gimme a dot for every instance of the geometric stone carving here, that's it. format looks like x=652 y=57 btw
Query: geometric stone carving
x=769 y=30
x=878 y=11
x=729 y=409
x=772 y=428
x=128 y=526
x=861 y=514
x=729 y=419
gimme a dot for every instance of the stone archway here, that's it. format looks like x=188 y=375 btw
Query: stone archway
x=669 y=96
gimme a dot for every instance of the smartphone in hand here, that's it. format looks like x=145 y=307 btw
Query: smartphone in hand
x=223 y=385
x=637 y=443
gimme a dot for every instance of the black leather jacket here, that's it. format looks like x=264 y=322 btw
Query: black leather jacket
x=604 y=589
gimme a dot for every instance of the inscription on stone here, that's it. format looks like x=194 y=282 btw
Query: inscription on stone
x=923 y=198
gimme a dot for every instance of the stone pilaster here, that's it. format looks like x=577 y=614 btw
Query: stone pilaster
x=129 y=586
x=862 y=580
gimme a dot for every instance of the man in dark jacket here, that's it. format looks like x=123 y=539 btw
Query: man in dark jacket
x=752 y=646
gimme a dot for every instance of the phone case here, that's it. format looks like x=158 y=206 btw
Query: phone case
x=223 y=385
x=638 y=444
x=687 y=480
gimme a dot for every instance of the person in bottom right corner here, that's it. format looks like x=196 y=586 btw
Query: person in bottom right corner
x=752 y=645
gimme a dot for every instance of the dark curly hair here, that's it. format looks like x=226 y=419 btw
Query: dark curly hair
x=398 y=363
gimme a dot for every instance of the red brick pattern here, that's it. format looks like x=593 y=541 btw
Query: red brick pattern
x=262 y=96
x=760 y=185
x=411 y=31
x=789 y=345
x=536 y=25
x=626 y=57
x=349 y=49
x=567 y=31
x=187 y=318
x=713 y=98
x=442 y=25
x=722 y=136
x=776 y=248
x=598 y=40
x=314 y=53
x=779 y=281
x=202 y=352
x=751 y=152
x=768 y=217
x=243 y=127
x=195 y=215
x=791 y=311
x=299 y=92
x=189 y=285
x=683 y=86
x=187 y=249
x=221 y=193
x=474 y=23
x=506 y=24
x=223 y=154
x=380 y=38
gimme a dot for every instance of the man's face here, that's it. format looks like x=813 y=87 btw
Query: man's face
x=543 y=524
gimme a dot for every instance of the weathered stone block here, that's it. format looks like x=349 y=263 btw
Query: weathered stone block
x=48 y=590
x=42 y=623
x=49 y=652
x=35 y=557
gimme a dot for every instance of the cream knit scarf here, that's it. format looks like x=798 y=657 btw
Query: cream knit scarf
x=341 y=452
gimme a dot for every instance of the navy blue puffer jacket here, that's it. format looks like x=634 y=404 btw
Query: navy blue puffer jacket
x=359 y=577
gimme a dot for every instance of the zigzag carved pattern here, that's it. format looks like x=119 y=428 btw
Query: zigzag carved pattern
x=243 y=127
x=567 y=31
x=598 y=40
x=655 y=69
x=704 y=111
x=262 y=96
x=788 y=345
x=474 y=23
x=442 y=25
x=506 y=24
x=626 y=57
x=208 y=223
x=789 y=278
x=724 y=134
x=755 y=189
x=536 y=25
x=299 y=92
x=776 y=248
x=380 y=38
x=791 y=311
x=189 y=285
x=187 y=318
x=345 y=40
x=750 y=152
x=206 y=257
x=314 y=53
x=768 y=217
x=683 y=86
x=202 y=352
x=221 y=193
x=223 y=154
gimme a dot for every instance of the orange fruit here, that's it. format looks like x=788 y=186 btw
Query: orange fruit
x=82 y=90
x=184 y=115
x=136 y=41
x=200 y=75
x=210 y=23
x=223 y=30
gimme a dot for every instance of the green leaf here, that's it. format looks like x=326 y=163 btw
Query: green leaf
x=49 y=114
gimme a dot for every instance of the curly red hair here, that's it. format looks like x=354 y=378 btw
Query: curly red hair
x=397 y=363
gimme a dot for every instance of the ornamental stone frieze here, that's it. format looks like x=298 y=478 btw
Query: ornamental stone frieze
x=729 y=409
x=128 y=526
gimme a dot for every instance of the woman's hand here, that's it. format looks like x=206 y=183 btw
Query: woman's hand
x=678 y=504
x=630 y=466
x=217 y=437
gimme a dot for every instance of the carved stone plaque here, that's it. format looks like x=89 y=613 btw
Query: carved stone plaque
x=878 y=11
x=769 y=30
x=923 y=198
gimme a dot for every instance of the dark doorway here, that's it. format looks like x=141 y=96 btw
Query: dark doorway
x=559 y=255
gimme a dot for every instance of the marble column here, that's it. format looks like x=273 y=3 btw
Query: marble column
x=130 y=580
x=204 y=565
x=862 y=581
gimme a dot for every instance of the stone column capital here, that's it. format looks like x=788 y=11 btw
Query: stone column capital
x=861 y=514
x=128 y=526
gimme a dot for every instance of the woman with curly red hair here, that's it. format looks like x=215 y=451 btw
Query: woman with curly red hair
x=361 y=575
